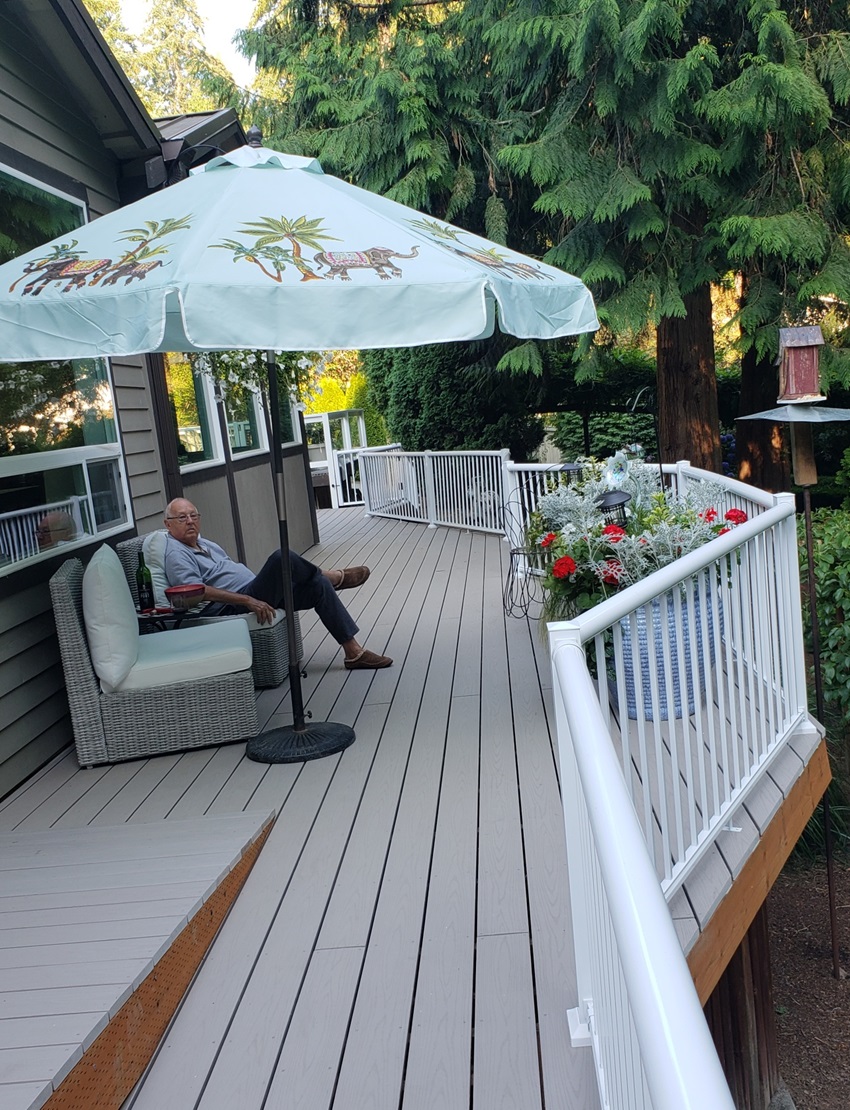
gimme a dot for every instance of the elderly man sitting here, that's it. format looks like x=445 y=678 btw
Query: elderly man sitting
x=191 y=558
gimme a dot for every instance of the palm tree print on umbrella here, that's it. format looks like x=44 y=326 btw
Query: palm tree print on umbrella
x=486 y=256
x=65 y=263
x=136 y=263
x=268 y=233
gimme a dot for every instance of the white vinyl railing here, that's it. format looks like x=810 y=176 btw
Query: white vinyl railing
x=17 y=528
x=461 y=489
x=638 y=1007
x=485 y=490
x=345 y=480
x=700 y=675
x=672 y=699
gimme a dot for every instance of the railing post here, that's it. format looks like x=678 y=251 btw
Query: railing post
x=791 y=569
x=430 y=489
x=366 y=480
x=563 y=635
x=681 y=479
x=509 y=485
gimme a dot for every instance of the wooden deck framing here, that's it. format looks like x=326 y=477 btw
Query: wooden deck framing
x=404 y=938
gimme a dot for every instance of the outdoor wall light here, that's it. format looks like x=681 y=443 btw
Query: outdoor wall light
x=613 y=505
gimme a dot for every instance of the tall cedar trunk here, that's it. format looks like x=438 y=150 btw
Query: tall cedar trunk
x=688 y=423
x=762 y=458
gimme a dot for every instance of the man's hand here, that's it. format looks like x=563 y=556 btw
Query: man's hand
x=264 y=612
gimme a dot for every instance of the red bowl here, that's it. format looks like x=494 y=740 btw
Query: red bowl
x=184 y=597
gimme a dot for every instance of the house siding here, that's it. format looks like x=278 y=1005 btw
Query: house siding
x=69 y=120
x=44 y=135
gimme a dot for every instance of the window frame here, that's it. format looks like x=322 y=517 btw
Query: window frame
x=208 y=399
x=41 y=462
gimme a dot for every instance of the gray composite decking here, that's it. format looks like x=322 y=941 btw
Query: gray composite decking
x=404 y=938
x=85 y=916
x=403 y=941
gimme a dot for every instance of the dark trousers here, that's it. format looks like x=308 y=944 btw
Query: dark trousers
x=310 y=590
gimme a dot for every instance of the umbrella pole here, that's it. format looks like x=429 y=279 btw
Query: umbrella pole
x=299 y=741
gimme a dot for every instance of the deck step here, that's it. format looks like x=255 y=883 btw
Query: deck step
x=101 y=931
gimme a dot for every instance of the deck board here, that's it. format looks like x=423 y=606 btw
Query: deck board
x=440 y=1056
x=404 y=941
x=85 y=914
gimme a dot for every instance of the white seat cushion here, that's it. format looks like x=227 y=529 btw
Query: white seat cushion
x=112 y=627
x=153 y=549
x=187 y=654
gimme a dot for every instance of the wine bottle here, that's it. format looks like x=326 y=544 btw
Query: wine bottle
x=144 y=584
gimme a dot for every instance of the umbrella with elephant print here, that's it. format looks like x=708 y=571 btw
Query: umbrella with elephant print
x=262 y=250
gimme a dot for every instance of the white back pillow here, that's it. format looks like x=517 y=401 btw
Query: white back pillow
x=112 y=627
x=153 y=549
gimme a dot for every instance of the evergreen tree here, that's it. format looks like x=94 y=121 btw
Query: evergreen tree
x=676 y=140
x=173 y=60
x=110 y=23
x=782 y=113
x=168 y=65
x=379 y=94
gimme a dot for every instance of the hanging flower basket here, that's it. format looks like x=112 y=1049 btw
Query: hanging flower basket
x=612 y=528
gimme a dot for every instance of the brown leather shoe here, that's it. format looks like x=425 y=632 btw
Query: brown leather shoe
x=368 y=661
x=351 y=577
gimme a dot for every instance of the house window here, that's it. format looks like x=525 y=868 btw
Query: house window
x=61 y=472
x=243 y=426
x=197 y=427
x=189 y=403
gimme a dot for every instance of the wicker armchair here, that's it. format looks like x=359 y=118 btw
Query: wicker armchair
x=269 y=642
x=138 y=723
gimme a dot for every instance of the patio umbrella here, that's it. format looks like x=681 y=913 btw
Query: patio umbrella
x=262 y=250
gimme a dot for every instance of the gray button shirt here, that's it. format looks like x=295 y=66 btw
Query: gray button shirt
x=207 y=563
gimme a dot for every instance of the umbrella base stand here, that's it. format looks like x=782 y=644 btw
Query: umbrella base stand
x=289 y=744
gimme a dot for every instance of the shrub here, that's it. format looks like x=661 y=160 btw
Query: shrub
x=607 y=433
x=831 y=537
x=449 y=398
x=360 y=397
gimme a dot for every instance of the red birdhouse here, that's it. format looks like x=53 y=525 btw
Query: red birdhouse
x=799 y=376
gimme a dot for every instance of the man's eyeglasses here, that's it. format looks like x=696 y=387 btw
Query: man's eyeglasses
x=184 y=518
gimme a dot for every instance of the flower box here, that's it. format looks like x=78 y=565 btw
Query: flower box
x=608 y=530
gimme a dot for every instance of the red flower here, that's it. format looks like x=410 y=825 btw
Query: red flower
x=723 y=531
x=611 y=576
x=563 y=567
x=735 y=516
x=549 y=539
x=613 y=532
x=709 y=515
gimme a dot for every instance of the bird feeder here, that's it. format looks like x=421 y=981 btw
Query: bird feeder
x=799 y=375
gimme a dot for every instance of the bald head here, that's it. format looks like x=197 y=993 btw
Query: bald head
x=182 y=520
x=54 y=528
